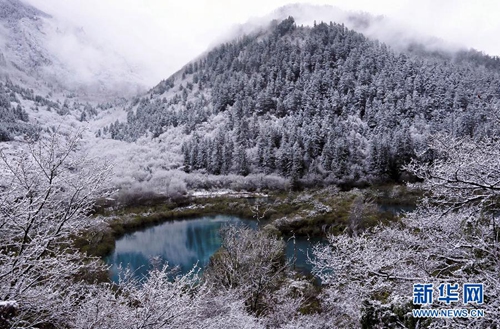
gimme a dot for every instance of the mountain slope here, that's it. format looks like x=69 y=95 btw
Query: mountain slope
x=315 y=104
x=41 y=52
x=53 y=76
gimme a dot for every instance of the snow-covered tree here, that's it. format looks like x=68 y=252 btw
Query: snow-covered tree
x=47 y=192
x=452 y=237
x=251 y=264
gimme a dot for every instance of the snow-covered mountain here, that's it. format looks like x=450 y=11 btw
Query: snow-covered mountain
x=310 y=104
x=314 y=105
x=47 y=54
x=384 y=29
x=55 y=54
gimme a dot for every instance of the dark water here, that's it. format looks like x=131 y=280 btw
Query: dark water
x=185 y=243
x=397 y=209
x=299 y=252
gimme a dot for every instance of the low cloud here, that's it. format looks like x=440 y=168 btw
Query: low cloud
x=155 y=38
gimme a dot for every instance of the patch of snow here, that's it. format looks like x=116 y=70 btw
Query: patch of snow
x=7 y=303
x=227 y=193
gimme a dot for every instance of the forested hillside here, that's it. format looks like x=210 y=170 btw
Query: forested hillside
x=24 y=113
x=319 y=103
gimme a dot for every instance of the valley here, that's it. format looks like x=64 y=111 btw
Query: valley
x=384 y=153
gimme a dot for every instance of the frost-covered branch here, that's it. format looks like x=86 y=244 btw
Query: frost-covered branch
x=466 y=172
x=453 y=236
x=48 y=190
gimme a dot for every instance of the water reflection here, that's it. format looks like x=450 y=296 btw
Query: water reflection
x=299 y=251
x=181 y=243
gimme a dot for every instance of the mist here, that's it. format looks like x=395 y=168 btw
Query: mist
x=155 y=38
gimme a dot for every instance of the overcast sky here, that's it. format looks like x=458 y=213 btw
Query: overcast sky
x=163 y=35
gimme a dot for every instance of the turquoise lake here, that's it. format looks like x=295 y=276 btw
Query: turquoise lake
x=184 y=243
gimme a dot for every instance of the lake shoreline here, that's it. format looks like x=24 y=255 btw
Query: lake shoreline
x=311 y=212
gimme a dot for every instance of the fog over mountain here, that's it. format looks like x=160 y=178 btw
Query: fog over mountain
x=55 y=55
x=389 y=30
x=131 y=42
x=87 y=51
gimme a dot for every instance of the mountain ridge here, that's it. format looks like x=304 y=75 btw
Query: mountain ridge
x=314 y=104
